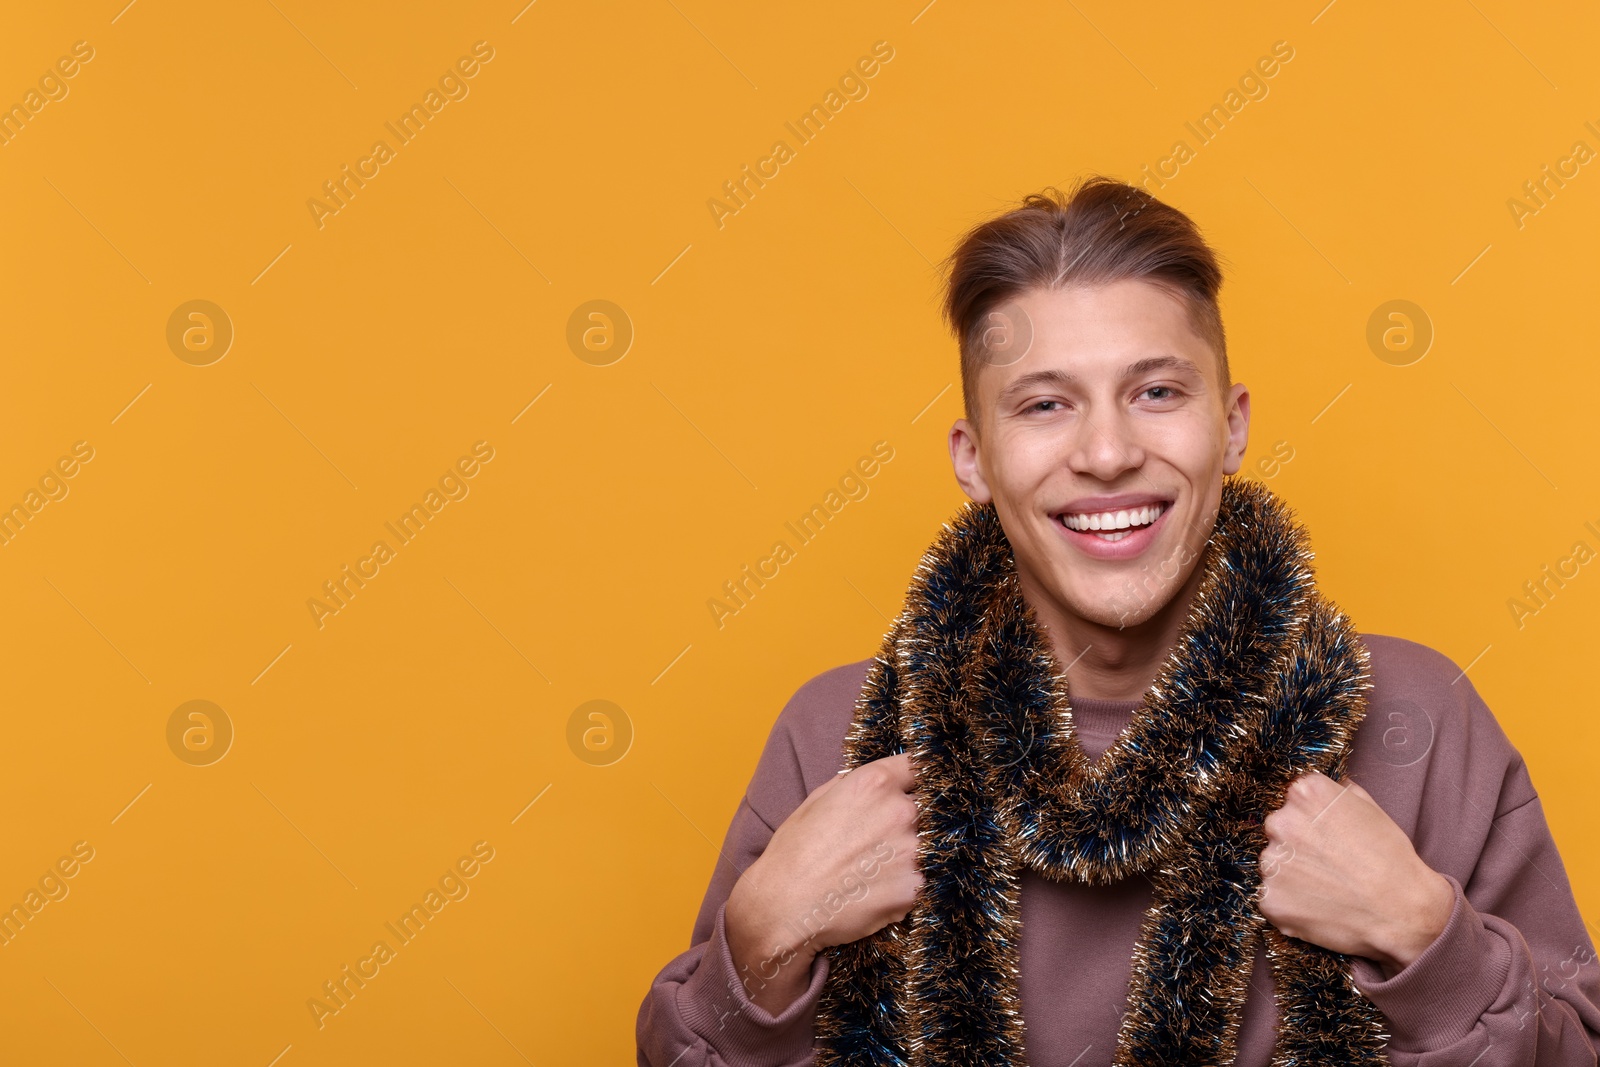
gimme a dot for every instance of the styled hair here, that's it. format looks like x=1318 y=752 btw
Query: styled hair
x=1102 y=231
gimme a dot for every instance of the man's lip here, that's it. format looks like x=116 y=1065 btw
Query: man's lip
x=1131 y=546
x=1093 y=505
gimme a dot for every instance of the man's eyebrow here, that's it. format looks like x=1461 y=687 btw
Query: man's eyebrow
x=1061 y=378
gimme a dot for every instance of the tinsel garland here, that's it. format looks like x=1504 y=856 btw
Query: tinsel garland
x=1266 y=681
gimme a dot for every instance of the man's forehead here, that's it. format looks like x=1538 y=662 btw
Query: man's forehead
x=1068 y=336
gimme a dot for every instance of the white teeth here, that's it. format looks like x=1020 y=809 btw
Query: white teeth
x=1114 y=520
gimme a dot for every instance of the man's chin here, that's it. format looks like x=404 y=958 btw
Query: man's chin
x=1113 y=611
x=1125 y=600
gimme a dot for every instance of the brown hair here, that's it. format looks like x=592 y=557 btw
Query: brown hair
x=1103 y=231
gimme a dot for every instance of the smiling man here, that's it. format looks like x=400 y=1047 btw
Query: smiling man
x=1122 y=785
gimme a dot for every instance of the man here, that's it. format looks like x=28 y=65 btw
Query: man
x=1417 y=881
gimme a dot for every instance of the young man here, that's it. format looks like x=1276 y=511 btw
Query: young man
x=1122 y=786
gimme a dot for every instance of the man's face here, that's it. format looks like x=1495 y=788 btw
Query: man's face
x=1110 y=415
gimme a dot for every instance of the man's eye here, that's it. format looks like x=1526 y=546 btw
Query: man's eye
x=1041 y=403
x=1167 y=389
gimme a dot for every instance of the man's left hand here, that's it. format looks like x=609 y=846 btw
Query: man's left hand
x=1338 y=872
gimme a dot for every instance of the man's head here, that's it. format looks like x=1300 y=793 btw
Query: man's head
x=1095 y=375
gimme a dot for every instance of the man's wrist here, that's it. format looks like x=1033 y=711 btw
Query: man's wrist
x=772 y=973
x=755 y=949
x=1416 y=924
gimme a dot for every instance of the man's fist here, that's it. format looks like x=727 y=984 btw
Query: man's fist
x=1338 y=872
x=843 y=865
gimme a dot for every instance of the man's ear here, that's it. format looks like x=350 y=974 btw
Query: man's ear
x=1236 y=407
x=964 y=457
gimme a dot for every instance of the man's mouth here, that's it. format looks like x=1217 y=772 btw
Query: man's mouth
x=1113 y=525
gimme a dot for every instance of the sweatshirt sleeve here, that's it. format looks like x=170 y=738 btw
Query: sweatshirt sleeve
x=698 y=1012
x=1512 y=979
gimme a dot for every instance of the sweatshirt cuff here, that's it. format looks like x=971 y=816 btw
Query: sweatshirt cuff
x=716 y=1006
x=1439 y=997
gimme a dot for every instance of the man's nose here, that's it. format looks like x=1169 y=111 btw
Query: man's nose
x=1105 y=445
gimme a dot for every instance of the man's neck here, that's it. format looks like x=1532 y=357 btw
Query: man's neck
x=1110 y=662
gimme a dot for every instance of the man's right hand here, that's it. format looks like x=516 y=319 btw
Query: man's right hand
x=843 y=865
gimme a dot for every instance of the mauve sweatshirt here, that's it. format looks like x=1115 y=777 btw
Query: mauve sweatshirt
x=1512 y=980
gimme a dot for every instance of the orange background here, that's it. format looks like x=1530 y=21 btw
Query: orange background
x=768 y=354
